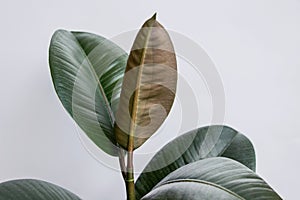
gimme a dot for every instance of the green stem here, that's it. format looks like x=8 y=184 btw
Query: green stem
x=130 y=177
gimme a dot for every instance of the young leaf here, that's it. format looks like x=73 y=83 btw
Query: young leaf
x=205 y=142
x=87 y=72
x=29 y=189
x=149 y=85
x=213 y=178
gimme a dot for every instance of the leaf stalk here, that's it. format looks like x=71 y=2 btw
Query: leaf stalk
x=130 y=177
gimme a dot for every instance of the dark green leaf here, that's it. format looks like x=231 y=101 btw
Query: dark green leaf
x=149 y=86
x=87 y=72
x=28 y=189
x=213 y=178
x=205 y=142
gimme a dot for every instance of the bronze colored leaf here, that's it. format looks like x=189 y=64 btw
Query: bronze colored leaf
x=149 y=86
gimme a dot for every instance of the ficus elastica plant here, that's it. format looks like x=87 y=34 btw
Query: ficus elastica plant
x=120 y=100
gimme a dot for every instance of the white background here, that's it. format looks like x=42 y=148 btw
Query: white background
x=255 y=46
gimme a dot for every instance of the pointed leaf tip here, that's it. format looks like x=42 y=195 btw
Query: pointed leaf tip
x=154 y=16
x=151 y=62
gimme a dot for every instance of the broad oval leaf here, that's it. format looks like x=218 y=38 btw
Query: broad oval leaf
x=201 y=143
x=149 y=86
x=87 y=72
x=190 y=190
x=29 y=189
x=212 y=178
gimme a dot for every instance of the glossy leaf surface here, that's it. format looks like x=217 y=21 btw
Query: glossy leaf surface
x=87 y=72
x=201 y=143
x=149 y=86
x=213 y=178
x=29 y=189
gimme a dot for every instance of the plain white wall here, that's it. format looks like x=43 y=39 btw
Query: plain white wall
x=254 y=45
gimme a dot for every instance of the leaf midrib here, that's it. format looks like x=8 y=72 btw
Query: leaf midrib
x=200 y=182
x=107 y=105
x=136 y=95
